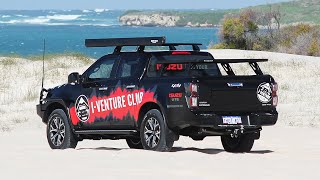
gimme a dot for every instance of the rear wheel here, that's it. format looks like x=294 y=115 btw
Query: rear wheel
x=154 y=133
x=243 y=143
x=59 y=133
x=134 y=143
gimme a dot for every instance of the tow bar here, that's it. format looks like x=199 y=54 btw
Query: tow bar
x=237 y=132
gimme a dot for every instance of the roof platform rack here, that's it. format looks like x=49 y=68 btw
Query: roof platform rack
x=141 y=43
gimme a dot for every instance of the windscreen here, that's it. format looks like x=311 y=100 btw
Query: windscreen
x=156 y=69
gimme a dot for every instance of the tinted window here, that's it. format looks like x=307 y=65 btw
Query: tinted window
x=204 y=69
x=178 y=70
x=130 y=65
x=102 y=69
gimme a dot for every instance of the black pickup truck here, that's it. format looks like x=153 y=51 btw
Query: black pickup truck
x=150 y=98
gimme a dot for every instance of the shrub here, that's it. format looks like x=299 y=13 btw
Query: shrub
x=257 y=47
x=303 y=39
x=239 y=31
x=314 y=49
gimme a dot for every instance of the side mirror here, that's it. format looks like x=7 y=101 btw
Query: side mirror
x=74 y=78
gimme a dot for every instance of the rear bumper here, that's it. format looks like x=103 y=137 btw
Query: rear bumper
x=212 y=120
x=253 y=119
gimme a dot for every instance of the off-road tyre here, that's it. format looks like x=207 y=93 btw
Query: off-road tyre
x=243 y=143
x=154 y=132
x=58 y=127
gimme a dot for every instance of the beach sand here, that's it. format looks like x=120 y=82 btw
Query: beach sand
x=281 y=153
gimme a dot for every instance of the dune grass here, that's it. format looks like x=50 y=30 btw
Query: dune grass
x=74 y=55
x=298 y=78
x=21 y=83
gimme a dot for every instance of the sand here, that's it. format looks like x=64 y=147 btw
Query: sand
x=281 y=153
x=289 y=150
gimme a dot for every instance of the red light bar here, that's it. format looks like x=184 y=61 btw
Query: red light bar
x=181 y=53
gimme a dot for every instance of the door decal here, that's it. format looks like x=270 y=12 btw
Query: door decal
x=264 y=92
x=82 y=108
x=119 y=105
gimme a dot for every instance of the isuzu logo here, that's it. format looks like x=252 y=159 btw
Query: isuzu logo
x=82 y=108
x=264 y=92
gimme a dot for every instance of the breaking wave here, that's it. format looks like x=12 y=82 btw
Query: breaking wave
x=64 y=17
x=101 y=10
x=96 y=17
x=43 y=20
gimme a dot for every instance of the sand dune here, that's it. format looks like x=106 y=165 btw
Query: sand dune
x=283 y=152
x=298 y=78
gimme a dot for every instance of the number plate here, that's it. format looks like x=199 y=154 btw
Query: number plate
x=231 y=120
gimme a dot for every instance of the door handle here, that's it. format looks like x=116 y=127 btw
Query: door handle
x=103 y=88
x=131 y=86
x=235 y=84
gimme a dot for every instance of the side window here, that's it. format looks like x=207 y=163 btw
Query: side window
x=182 y=70
x=171 y=70
x=101 y=70
x=129 y=66
x=152 y=68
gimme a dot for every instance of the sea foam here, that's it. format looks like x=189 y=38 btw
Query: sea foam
x=101 y=10
x=63 y=17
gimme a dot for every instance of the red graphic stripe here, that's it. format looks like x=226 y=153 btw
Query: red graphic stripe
x=119 y=104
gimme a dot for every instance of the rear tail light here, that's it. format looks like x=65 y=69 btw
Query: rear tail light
x=274 y=94
x=194 y=102
x=194 y=89
x=275 y=87
x=192 y=95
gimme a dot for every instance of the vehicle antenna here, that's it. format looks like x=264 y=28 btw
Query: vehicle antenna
x=43 y=56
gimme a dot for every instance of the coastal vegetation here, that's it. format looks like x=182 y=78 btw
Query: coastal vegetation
x=292 y=12
x=244 y=31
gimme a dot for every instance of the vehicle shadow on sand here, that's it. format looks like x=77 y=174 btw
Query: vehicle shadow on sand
x=104 y=149
x=205 y=151
x=181 y=149
x=215 y=151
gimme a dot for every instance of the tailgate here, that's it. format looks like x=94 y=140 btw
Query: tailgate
x=236 y=94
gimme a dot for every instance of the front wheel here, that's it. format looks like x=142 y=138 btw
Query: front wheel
x=243 y=143
x=59 y=133
x=154 y=133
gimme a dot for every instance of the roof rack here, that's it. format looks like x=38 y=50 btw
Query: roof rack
x=140 y=42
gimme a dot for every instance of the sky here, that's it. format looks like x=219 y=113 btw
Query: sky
x=129 y=4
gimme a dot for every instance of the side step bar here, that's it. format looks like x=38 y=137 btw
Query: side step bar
x=107 y=132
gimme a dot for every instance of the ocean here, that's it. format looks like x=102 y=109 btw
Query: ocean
x=22 y=31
